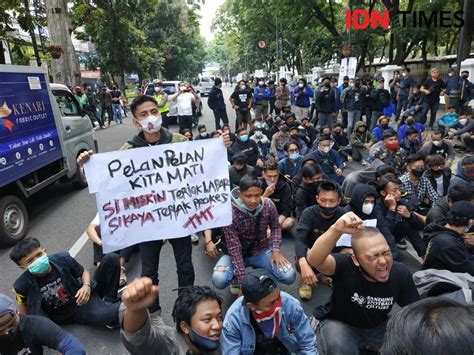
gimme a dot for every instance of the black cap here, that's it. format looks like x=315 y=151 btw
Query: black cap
x=461 y=212
x=258 y=284
x=389 y=133
x=293 y=127
x=345 y=77
x=379 y=79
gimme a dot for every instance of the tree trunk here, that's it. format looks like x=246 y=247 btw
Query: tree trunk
x=65 y=70
x=467 y=31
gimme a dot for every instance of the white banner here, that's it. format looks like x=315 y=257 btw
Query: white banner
x=160 y=192
x=348 y=67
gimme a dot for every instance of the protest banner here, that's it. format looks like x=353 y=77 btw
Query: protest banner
x=160 y=192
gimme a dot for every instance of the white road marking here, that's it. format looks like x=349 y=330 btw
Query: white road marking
x=78 y=245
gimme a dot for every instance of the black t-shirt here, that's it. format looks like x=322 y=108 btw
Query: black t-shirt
x=364 y=304
x=435 y=88
x=442 y=150
x=56 y=302
x=241 y=97
x=32 y=334
x=311 y=226
x=266 y=346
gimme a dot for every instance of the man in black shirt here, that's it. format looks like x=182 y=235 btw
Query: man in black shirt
x=21 y=334
x=365 y=287
x=432 y=88
x=315 y=221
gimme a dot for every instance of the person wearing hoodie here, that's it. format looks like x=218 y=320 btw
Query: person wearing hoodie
x=465 y=171
x=439 y=213
x=462 y=133
x=314 y=221
x=326 y=103
x=304 y=197
x=298 y=178
x=279 y=192
x=239 y=169
x=381 y=127
x=411 y=142
x=261 y=98
x=341 y=142
x=244 y=145
x=147 y=118
x=438 y=174
x=354 y=101
x=217 y=104
x=452 y=244
x=246 y=242
x=329 y=159
x=363 y=204
x=361 y=141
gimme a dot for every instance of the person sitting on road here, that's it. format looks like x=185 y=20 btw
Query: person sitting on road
x=279 y=140
x=304 y=197
x=279 y=191
x=329 y=160
x=60 y=287
x=341 y=142
x=23 y=334
x=390 y=153
x=366 y=284
x=381 y=127
x=246 y=241
x=203 y=133
x=400 y=216
x=266 y=320
x=438 y=174
x=438 y=145
x=290 y=166
x=244 y=145
x=448 y=120
x=197 y=313
x=298 y=138
x=361 y=141
x=411 y=143
x=465 y=171
x=315 y=221
x=93 y=232
x=409 y=122
x=188 y=134
x=451 y=244
x=416 y=184
x=435 y=325
x=239 y=169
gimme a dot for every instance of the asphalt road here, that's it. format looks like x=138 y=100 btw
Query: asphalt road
x=60 y=214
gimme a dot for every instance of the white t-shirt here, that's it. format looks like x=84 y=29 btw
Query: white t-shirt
x=439 y=185
x=184 y=104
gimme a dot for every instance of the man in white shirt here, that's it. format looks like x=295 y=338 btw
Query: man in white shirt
x=184 y=100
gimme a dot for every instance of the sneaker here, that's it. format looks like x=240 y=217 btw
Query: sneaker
x=402 y=244
x=234 y=287
x=305 y=291
x=364 y=163
x=194 y=238
x=156 y=320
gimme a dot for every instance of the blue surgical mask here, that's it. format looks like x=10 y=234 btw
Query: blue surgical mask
x=39 y=266
x=202 y=343
x=294 y=156
x=244 y=137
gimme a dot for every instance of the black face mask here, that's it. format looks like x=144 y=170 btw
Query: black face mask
x=293 y=136
x=328 y=211
x=436 y=173
x=384 y=125
x=410 y=123
x=464 y=77
x=418 y=172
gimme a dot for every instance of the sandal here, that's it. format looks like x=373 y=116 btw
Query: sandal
x=123 y=279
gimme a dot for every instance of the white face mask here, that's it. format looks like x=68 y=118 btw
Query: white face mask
x=151 y=124
x=182 y=88
x=325 y=149
x=300 y=85
x=261 y=83
x=404 y=75
x=270 y=183
x=367 y=208
x=463 y=121
x=437 y=143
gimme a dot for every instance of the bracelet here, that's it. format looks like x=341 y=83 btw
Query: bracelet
x=87 y=284
x=209 y=242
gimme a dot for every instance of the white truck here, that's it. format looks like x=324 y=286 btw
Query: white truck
x=42 y=131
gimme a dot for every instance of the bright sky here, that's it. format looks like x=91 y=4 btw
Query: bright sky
x=208 y=11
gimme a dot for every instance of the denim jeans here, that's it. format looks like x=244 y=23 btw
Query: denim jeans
x=335 y=337
x=352 y=118
x=222 y=279
x=325 y=119
x=96 y=312
x=150 y=257
x=433 y=108
x=117 y=109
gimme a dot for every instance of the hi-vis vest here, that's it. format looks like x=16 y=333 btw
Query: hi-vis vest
x=165 y=107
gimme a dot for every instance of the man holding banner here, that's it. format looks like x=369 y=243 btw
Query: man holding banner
x=147 y=118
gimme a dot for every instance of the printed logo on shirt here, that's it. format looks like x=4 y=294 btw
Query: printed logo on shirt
x=369 y=302
x=243 y=97
x=25 y=351
x=54 y=294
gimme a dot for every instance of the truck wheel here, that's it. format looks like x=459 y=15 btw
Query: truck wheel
x=80 y=180
x=14 y=223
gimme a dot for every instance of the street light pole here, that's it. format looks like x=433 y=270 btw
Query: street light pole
x=461 y=38
x=32 y=33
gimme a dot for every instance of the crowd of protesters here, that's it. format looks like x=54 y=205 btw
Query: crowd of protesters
x=287 y=172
